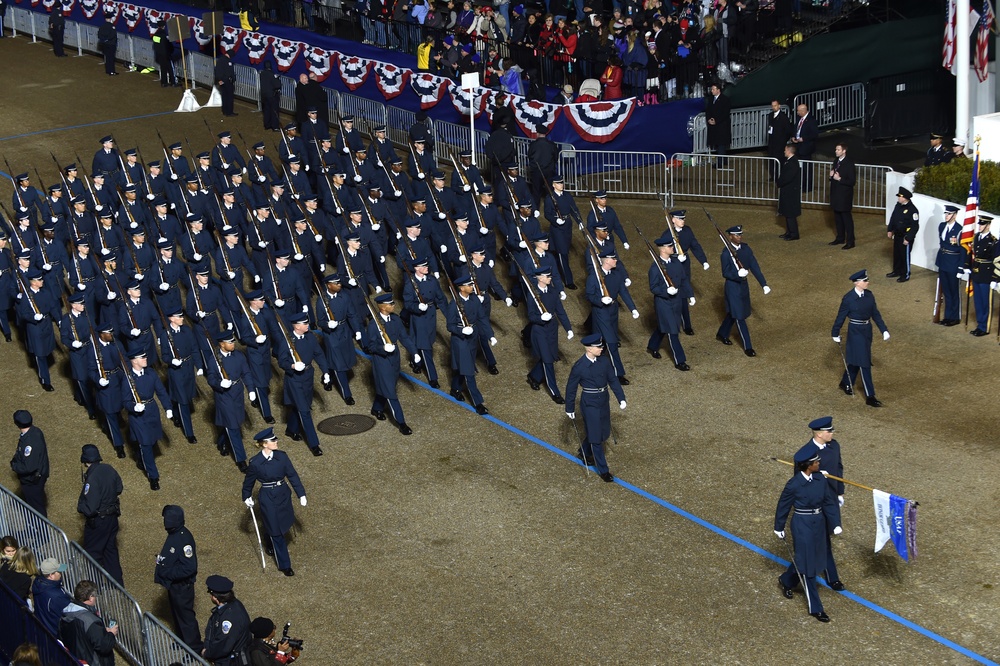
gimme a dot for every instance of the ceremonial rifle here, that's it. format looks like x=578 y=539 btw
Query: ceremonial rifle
x=725 y=241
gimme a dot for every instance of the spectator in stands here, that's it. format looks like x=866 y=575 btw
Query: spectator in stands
x=612 y=78
x=402 y=35
x=50 y=597
x=84 y=632
x=20 y=572
x=307 y=12
x=503 y=8
x=586 y=50
x=565 y=47
x=635 y=60
x=26 y=654
x=746 y=24
x=424 y=54
x=717 y=115
x=465 y=18
x=492 y=68
x=8 y=549
x=419 y=12
x=510 y=79
x=566 y=95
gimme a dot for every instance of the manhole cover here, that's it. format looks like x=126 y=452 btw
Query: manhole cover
x=346 y=424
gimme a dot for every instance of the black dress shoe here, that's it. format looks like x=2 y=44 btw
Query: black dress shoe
x=192 y=440
x=379 y=415
x=154 y=484
x=139 y=466
x=254 y=404
x=872 y=401
x=317 y=451
x=978 y=332
x=683 y=367
x=786 y=592
x=837 y=586
x=120 y=452
x=481 y=409
x=269 y=420
x=725 y=341
x=559 y=400
x=654 y=353
x=571 y=286
x=176 y=421
x=434 y=384
x=290 y=572
x=822 y=617
x=750 y=352
x=457 y=395
x=349 y=400
x=242 y=466
x=297 y=437
x=791 y=238
x=849 y=246
x=688 y=331
x=836 y=241
x=951 y=322
x=533 y=384
x=269 y=549
x=224 y=451
x=892 y=274
x=783 y=236
x=92 y=417
x=493 y=370
x=846 y=388
x=903 y=278
x=607 y=477
x=624 y=381
x=48 y=387
x=405 y=429
x=230 y=115
x=328 y=386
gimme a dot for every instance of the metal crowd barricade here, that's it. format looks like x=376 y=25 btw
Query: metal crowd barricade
x=21 y=626
x=694 y=176
x=749 y=128
x=620 y=173
x=869 y=184
x=17 y=19
x=366 y=111
x=332 y=106
x=141 y=51
x=521 y=145
x=88 y=38
x=164 y=647
x=201 y=68
x=699 y=133
x=247 y=83
x=398 y=123
x=830 y=107
x=19 y=520
x=287 y=93
x=451 y=138
x=71 y=38
x=112 y=601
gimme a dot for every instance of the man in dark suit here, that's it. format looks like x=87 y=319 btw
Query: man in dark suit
x=779 y=131
x=842 y=177
x=225 y=78
x=805 y=135
x=789 y=196
x=719 y=126
x=543 y=162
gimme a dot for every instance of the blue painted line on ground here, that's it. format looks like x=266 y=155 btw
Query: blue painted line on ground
x=72 y=127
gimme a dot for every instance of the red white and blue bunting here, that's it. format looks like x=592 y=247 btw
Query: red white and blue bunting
x=353 y=70
x=132 y=16
x=429 y=88
x=460 y=99
x=600 y=122
x=257 y=46
x=390 y=79
x=231 y=39
x=156 y=19
x=319 y=62
x=532 y=115
x=199 y=32
x=286 y=53
x=111 y=11
x=90 y=7
x=67 y=6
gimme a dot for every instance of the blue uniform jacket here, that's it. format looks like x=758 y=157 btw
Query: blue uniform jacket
x=594 y=378
x=859 y=311
x=808 y=530
x=737 y=290
x=385 y=365
x=275 y=499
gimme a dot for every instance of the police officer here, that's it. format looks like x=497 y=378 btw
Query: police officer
x=176 y=570
x=139 y=385
x=227 y=634
x=605 y=286
x=99 y=504
x=385 y=331
x=737 y=291
x=593 y=374
x=670 y=288
x=688 y=243
x=815 y=507
x=830 y=464
x=983 y=274
x=275 y=472
x=858 y=309
x=31 y=461
x=902 y=230
x=951 y=260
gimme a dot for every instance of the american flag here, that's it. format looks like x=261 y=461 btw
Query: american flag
x=971 y=207
x=948 y=51
x=986 y=21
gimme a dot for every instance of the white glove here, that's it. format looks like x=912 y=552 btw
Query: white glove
x=767 y=290
x=375 y=226
x=39 y=316
x=560 y=221
x=164 y=286
x=509 y=301
x=199 y=372
x=569 y=335
x=493 y=342
x=682 y=258
x=467 y=330
x=195 y=256
x=779 y=534
x=399 y=236
x=491 y=263
x=423 y=307
x=743 y=272
x=546 y=316
x=80 y=286
x=112 y=295
x=260 y=339
x=635 y=314
x=48 y=267
x=105 y=251
x=226 y=383
x=390 y=348
x=885 y=336
x=150 y=196
x=298 y=256
x=466 y=188
x=139 y=276
x=201 y=314
x=176 y=362
x=537 y=213
x=562 y=295
x=103 y=381
x=262 y=244
x=260 y=179
x=622 y=405
x=307 y=167
x=484 y=230
x=352 y=282
x=461 y=258
x=625 y=245
x=523 y=245
x=357 y=335
x=444 y=248
x=607 y=300
x=838 y=530
x=441 y=216
x=25 y=210
x=296 y=196
x=691 y=301
x=302 y=500
x=322 y=268
x=628 y=282
x=332 y=324
x=346 y=150
x=249 y=502
x=421 y=175
x=416 y=358
x=962 y=276
x=298 y=366
x=318 y=238
x=671 y=290
x=77 y=344
x=231 y=275
x=571 y=415
x=836 y=339
x=135 y=332
x=326 y=377
x=279 y=303
x=397 y=193
x=173 y=176
x=705 y=266
x=840 y=500
x=139 y=408
x=339 y=210
x=170 y=413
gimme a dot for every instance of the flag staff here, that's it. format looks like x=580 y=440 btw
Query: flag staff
x=835 y=478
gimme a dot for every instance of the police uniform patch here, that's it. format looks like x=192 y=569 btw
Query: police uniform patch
x=27 y=451
x=171 y=549
x=226 y=626
x=916 y=217
x=188 y=551
x=86 y=488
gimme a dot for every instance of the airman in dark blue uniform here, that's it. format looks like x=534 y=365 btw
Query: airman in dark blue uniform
x=737 y=291
x=341 y=326
x=688 y=243
x=858 y=309
x=830 y=464
x=467 y=321
x=179 y=350
x=108 y=366
x=563 y=215
x=140 y=386
x=487 y=288
x=545 y=313
x=257 y=328
x=951 y=260
x=604 y=287
x=38 y=310
x=983 y=274
x=667 y=300
x=608 y=216
x=75 y=334
x=422 y=298
x=296 y=355
x=228 y=373
x=384 y=333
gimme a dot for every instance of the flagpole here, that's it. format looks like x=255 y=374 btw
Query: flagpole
x=963 y=53
x=831 y=476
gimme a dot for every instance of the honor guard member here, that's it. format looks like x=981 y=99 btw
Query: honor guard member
x=313 y=130
x=31 y=461
x=296 y=357
x=604 y=287
x=139 y=387
x=484 y=218
x=257 y=328
x=228 y=373
x=179 y=350
x=75 y=334
x=688 y=243
x=227 y=634
x=232 y=212
x=289 y=295
x=106 y=160
x=737 y=290
x=670 y=287
x=208 y=176
x=489 y=288
x=902 y=230
x=132 y=212
x=58 y=212
x=421 y=163
x=814 y=504
x=384 y=333
x=562 y=213
x=512 y=184
x=518 y=230
x=858 y=309
x=422 y=298
x=545 y=313
x=261 y=169
x=111 y=290
x=76 y=186
x=467 y=321
x=593 y=375
x=205 y=304
x=139 y=257
x=132 y=172
x=466 y=181
x=231 y=260
x=101 y=198
x=396 y=186
x=830 y=464
x=8 y=284
x=100 y=506
x=137 y=315
x=176 y=570
x=38 y=310
x=105 y=372
x=454 y=250
x=176 y=165
x=166 y=276
x=380 y=149
x=308 y=253
x=106 y=236
x=937 y=153
x=361 y=170
x=50 y=255
x=291 y=144
x=951 y=260
x=275 y=472
x=348 y=139
x=24 y=236
x=156 y=181
x=440 y=204
x=338 y=320
x=356 y=264
x=983 y=274
x=608 y=216
x=414 y=243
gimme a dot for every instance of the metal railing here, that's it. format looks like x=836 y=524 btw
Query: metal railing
x=247 y=83
x=620 y=173
x=21 y=626
x=749 y=129
x=869 y=185
x=695 y=176
x=287 y=94
x=141 y=52
x=398 y=123
x=19 y=520
x=450 y=138
x=366 y=111
x=163 y=646
x=832 y=107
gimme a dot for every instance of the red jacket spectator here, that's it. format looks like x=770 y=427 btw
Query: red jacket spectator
x=612 y=79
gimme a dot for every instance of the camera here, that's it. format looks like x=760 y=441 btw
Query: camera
x=294 y=643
